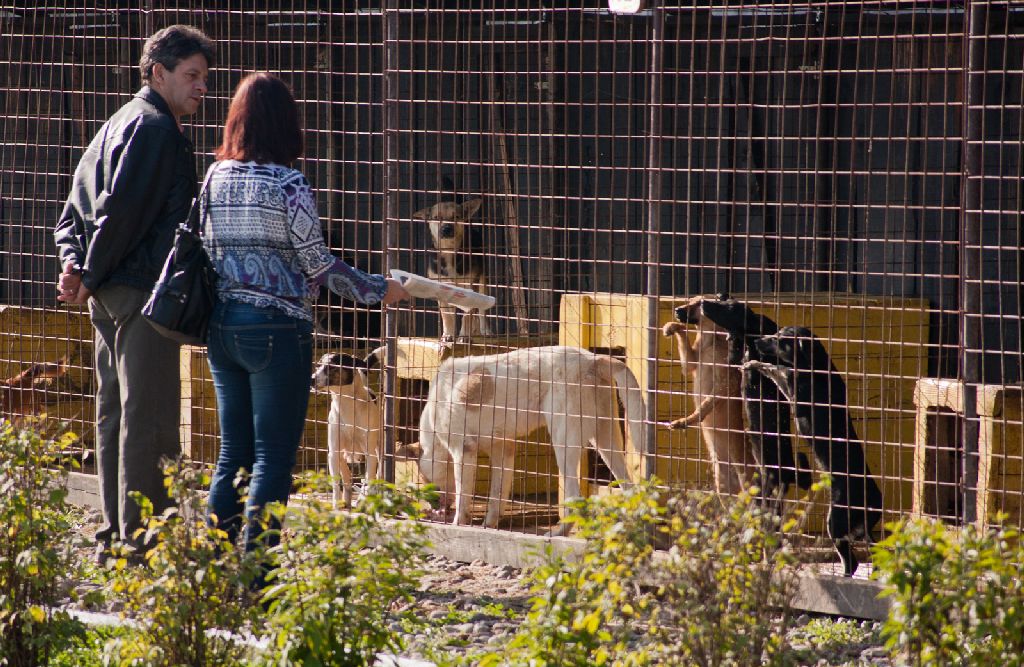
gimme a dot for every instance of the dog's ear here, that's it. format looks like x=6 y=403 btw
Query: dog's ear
x=424 y=213
x=376 y=357
x=470 y=208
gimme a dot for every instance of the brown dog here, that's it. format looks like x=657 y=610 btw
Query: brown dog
x=19 y=397
x=717 y=395
x=460 y=247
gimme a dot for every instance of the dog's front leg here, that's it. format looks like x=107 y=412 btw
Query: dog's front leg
x=687 y=355
x=335 y=461
x=697 y=416
x=447 y=321
x=481 y=324
x=464 y=456
x=777 y=374
x=503 y=458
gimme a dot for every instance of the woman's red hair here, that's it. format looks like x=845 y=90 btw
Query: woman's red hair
x=263 y=122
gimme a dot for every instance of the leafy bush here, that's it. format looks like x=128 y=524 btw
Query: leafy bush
x=720 y=595
x=727 y=586
x=957 y=593
x=36 y=553
x=193 y=589
x=342 y=579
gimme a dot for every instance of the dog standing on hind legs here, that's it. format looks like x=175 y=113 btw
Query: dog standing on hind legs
x=354 y=426
x=460 y=247
x=796 y=361
x=768 y=413
x=719 y=403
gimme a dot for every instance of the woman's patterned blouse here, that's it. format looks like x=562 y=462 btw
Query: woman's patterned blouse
x=262 y=233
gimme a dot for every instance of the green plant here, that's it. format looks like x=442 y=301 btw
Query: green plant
x=725 y=588
x=829 y=634
x=342 y=578
x=720 y=594
x=193 y=588
x=957 y=594
x=35 y=546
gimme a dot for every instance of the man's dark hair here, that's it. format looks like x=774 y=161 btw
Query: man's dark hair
x=263 y=122
x=171 y=45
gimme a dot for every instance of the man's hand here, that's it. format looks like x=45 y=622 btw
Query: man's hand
x=69 y=286
x=395 y=293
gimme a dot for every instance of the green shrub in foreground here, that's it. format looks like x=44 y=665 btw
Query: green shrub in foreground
x=957 y=593
x=36 y=553
x=195 y=581
x=720 y=595
x=343 y=578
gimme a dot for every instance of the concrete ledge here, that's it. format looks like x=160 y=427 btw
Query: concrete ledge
x=818 y=593
x=83 y=490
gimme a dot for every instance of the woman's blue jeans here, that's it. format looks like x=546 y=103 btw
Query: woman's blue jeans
x=260 y=360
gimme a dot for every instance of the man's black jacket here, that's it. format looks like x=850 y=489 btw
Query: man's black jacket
x=132 y=188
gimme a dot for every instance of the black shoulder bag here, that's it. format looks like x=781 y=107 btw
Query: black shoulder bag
x=182 y=300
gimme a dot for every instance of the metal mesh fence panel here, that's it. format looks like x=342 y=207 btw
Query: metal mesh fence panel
x=848 y=167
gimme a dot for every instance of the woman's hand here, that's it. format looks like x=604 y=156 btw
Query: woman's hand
x=395 y=293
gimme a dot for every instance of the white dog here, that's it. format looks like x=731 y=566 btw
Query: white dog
x=484 y=403
x=354 y=429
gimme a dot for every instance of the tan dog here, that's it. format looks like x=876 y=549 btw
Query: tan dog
x=482 y=404
x=19 y=395
x=459 y=259
x=354 y=425
x=717 y=395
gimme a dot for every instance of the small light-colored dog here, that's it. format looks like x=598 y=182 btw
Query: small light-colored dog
x=354 y=425
x=717 y=395
x=460 y=247
x=482 y=404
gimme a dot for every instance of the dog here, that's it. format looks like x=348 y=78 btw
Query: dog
x=483 y=403
x=460 y=247
x=796 y=361
x=717 y=396
x=20 y=395
x=768 y=415
x=354 y=424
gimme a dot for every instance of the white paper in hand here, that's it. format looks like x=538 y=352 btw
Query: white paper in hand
x=425 y=288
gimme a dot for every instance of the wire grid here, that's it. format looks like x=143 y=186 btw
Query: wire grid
x=852 y=167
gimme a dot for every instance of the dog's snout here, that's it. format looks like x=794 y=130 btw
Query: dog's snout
x=447 y=230
x=688 y=314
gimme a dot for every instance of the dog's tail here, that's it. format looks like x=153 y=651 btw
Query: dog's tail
x=633 y=401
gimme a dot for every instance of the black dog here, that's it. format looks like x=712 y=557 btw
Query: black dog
x=799 y=365
x=768 y=417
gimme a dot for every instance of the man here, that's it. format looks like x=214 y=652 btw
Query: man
x=133 y=186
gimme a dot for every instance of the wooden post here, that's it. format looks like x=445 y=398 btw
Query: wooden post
x=514 y=258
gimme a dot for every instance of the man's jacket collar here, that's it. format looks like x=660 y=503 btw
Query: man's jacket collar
x=154 y=98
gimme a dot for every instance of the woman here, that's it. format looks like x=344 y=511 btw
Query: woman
x=263 y=235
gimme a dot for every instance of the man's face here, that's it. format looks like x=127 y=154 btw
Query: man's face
x=183 y=87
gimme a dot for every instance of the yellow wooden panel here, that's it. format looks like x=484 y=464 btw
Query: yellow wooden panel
x=1001 y=449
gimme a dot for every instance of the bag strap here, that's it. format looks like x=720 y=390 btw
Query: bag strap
x=194 y=224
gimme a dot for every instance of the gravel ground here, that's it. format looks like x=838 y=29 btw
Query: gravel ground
x=474 y=607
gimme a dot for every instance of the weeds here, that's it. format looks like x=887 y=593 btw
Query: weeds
x=36 y=553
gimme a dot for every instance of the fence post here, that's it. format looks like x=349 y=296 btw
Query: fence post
x=389 y=15
x=654 y=110
x=970 y=248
